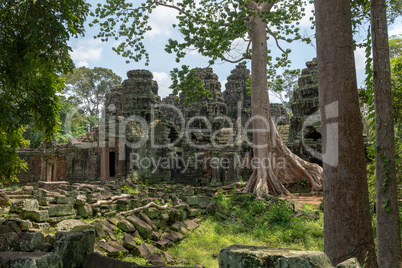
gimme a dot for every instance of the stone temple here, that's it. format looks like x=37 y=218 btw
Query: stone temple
x=200 y=143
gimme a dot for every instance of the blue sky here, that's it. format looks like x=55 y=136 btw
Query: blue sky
x=91 y=52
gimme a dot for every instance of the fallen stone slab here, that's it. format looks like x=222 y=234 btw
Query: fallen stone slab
x=239 y=256
x=30 y=259
x=143 y=228
x=51 y=185
x=126 y=226
x=156 y=260
x=128 y=241
x=144 y=217
x=144 y=250
x=163 y=243
x=190 y=225
x=113 y=249
x=24 y=225
x=73 y=225
x=84 y=210
x=30 y=242
x=173 y=236
x=73 y=247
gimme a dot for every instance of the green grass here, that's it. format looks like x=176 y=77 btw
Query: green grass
x=250 y=222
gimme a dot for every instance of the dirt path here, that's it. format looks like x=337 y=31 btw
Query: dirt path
x=313 y=199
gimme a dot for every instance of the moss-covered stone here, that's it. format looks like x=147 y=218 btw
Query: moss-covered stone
x=237 y=256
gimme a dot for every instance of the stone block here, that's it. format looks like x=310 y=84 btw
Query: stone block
x=106 y=195
x=145 y=218
x=193 y=200
x=84 y=210
x=152 y=213
x=239 y=256
x=349 y=263
x=30 y=242
x=80 y=200
x=27 y=241
x=45 y=201
x=60 y=210
x=156 y=260
x=73 y=247
x=28 y=189
x=5 y=229
x=114 y=249
x=179 y=227
x=173 y=236
x=16 y=206
x=126 y=226
x=39 y=215
x=128 y=241
x=30 y=205
x=194 y=212
x=24 y=225
x=163 y=243
x=73 y=225
x=14 y=226
x=143 y=228
x=190 y=225
x=144 y=250
x=30 y=259
x=65 y=200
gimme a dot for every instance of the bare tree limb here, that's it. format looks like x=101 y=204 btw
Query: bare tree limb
x=105 y=202
x=152 y=204
x=277 y=44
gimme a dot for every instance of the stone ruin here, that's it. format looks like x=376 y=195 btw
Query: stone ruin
x=305 y=126
x=142 y=136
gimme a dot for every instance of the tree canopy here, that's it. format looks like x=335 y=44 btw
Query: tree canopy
x=33 y=52
x=88 y=87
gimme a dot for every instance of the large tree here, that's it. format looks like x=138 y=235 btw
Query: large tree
x=347 y=218
x=33 y=52
x=211 y=27
x=388 y=229
x=89 y=87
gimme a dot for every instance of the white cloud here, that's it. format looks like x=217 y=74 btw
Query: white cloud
x=161 y=20
x=87 y=51
x=360 y=59
x=164 y=82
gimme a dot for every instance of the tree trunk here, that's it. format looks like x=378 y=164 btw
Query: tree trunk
x=388 y=232
x=347 y=219
x=273 y=163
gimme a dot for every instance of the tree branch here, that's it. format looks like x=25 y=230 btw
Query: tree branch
x=277 y=44
x=165 y=5
x=235 y=61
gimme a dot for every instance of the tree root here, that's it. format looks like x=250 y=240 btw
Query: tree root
x=151 y=204
x=272 y=177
